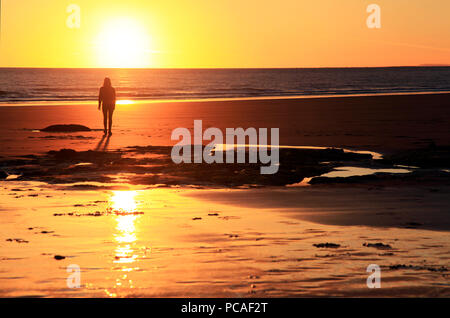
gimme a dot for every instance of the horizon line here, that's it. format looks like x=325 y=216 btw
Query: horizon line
x=222 y=68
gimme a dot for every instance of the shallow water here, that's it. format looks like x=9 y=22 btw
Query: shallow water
x=227 y=147
x=344 y=172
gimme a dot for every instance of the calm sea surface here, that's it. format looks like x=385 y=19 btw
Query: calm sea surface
x=39 y=85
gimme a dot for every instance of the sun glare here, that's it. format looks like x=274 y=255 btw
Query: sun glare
x=123 y=43
x=124 y=201
x=125 y=102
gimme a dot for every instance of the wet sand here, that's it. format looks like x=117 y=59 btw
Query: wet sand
x=134 y=238
x=180 y=246
x=378 y=123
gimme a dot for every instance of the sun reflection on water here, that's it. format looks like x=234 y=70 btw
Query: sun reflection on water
x=126 y=228
x=124 y=201
x=125 y=102
x=124 y=205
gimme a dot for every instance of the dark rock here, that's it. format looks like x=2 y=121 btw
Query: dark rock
x=63 y=154
x=416 y=267
x=59 y=257
x=18 y=240
x=430 y=157
x=65 y=128
x=379 y=246
x=327 y=245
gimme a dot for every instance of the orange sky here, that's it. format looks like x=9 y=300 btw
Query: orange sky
x=224 y=33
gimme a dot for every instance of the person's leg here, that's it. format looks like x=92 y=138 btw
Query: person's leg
x=105 y=118
x=110 y=116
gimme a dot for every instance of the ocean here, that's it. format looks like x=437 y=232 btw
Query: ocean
x=29 y=85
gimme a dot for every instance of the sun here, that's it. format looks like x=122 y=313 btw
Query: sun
x=123 y=43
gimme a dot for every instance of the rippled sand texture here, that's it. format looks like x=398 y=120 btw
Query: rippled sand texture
x=169 y=242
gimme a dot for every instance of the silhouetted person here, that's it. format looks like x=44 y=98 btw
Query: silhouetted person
x=107 y=100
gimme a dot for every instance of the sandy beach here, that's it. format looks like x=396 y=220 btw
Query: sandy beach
x=140 y=226
x=377 y=123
